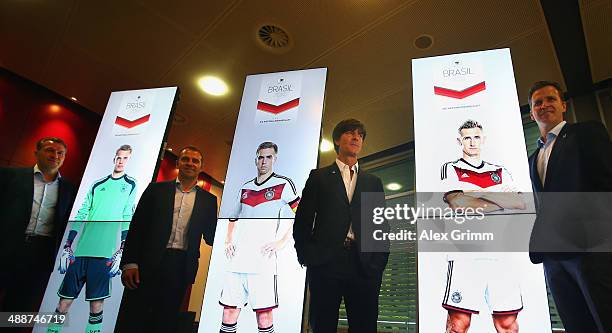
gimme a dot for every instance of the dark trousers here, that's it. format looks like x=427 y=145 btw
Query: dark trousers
x=154 y=305
x=582 y=289
x=25 y=279
x=343 y=278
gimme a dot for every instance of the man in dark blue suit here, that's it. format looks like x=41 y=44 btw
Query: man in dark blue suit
x=34 y=207
x=571 y=174
x=329 y=234
x=160 y=258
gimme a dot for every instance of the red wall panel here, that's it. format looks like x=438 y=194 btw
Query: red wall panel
x=29 y=112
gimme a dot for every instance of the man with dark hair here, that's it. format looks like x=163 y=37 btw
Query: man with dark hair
x=328 y=237
x=106 y=210
x=572 y=160
x=347 y=125
x=34 y=208
x=251 y=243
x=161 y=252
x=472 y=182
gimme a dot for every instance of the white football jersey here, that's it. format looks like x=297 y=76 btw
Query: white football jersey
x=486 y=177
x=256 y=217
x=275 y=197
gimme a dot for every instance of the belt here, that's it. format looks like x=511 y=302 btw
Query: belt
x=175 y=251
x=31 y=238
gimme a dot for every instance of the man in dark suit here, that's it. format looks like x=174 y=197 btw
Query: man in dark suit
x=571 y=173
x=160 y=257
x=329 y=237
x=35 y=205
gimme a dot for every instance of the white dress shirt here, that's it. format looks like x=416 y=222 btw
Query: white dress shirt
x=349 y=186
x=546 y=149
x=183 y=207
x=43 y=205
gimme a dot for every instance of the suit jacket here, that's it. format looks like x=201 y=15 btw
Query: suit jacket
x=569 y=219
x=324 y=215
x=152 y=224
x=16 y=195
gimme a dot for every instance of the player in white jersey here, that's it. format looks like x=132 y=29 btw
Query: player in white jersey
x=253 y=239
x=472 y=182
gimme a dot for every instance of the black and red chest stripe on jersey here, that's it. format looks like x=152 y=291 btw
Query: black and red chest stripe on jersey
x=254 y=197
x=481 y=179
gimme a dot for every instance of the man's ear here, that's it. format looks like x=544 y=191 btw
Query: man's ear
x=459 y=141
x=564 y=106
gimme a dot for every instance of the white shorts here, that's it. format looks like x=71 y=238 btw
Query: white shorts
x=470 y=282
x=257 y=289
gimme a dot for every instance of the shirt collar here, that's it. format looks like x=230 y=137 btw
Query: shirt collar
x=552 y=134
x=38 y=171
x=342 y=165
x=180 y=188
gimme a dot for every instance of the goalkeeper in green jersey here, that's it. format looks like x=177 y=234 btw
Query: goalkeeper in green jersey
x=105 y=214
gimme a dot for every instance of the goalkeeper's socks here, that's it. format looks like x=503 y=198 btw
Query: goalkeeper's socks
x=266 y=330
x=228 y=328
x=55 y=327
x=94 y=324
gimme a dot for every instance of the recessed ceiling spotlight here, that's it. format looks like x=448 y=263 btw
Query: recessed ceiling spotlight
x=394 y=187
x=213 y=85
x=423 y=42
x=74 y=98
x=54 y=108
x=326 y=146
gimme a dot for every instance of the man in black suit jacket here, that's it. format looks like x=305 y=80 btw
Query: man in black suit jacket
x=36 y=203
x=161 y=253
x=329 y=237
x=572 y=232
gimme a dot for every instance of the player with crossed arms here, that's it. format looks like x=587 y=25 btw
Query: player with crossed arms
x=472 y=182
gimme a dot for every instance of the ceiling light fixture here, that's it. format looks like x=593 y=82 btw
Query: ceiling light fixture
x=213 y=85
x=74 y=98
x=423 y=42
x=394 y=187
x=54 y=108
x=326 y=146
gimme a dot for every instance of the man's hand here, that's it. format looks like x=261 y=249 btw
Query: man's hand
x=115 y=262
x=271 y=248
x=130 y=278
x=230 y=250
x=66 y=259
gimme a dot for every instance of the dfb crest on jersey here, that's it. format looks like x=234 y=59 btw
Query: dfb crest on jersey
x=456 y=297
x=495 y=177
x=244 y=195
x=123 y=188
x=269 y=194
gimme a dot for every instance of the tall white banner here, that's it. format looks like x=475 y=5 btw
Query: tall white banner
x=254 y=279
x=469 y=145
x=121 y=165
